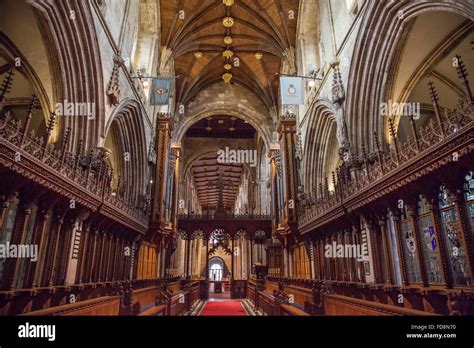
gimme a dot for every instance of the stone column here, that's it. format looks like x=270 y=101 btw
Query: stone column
x=287 y=132
x=163 y=129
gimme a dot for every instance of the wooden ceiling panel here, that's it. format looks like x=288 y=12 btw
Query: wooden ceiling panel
x=207 y=173
x=259 y=26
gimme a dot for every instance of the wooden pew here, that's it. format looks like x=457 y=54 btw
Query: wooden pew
x=343 y=305
x=289 y=310
x=145 y=298
x=267 y=303
x=107 y=305
x=159 y=310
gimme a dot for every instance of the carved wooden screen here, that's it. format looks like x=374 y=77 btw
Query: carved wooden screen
x=301 y=266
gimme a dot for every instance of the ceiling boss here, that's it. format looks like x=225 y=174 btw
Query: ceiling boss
x=228 y=22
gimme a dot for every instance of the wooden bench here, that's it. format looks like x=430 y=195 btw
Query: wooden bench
x=343 y=305
x=154 y=311
x=289 y=310
x=107 y=305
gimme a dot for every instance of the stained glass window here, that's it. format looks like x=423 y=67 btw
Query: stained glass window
x=410 y=251
x=469 y=196
x=430 y=246
x=454 y=240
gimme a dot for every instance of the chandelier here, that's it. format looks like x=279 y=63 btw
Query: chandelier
x=228 y=40
x=228 y=2
x=258 y=55
x=227 y=67
x=198 y=54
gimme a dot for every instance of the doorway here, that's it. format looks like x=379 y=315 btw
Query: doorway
x=219 y=286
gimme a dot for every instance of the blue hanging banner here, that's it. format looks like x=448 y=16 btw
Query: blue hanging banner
x=291 y=90
x=160 y=91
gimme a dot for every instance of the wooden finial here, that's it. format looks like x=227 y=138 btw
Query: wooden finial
x=415 y=133
x=50 y=125
x=334 y=181
x=67 y=134
x=379 y=151
x=29 y=115
x=462 y=74
x=49 y=129
x=89 y=166
x=6 y=85
x=393 y=134
x=434 y=101
x=78 y=157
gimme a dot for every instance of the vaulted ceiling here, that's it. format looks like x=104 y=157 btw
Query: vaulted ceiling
x=209 y=175
x=193 y=33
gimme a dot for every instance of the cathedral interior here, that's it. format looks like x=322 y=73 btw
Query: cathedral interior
x=236 y=158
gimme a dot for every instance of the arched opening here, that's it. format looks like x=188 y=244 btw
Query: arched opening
x=321 y=148
x=216 y=269
x=222 y=156
x=127 y=143
x=426 y=59
x=378 y=50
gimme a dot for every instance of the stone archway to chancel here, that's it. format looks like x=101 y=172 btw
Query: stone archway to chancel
x=221 y=152
x=234 y=101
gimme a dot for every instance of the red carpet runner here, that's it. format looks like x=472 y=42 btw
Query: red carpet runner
x=223 y=308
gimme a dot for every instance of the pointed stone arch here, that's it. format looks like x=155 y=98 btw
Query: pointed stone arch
x=126 y=127
x=383 y=28
x=320 y=146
